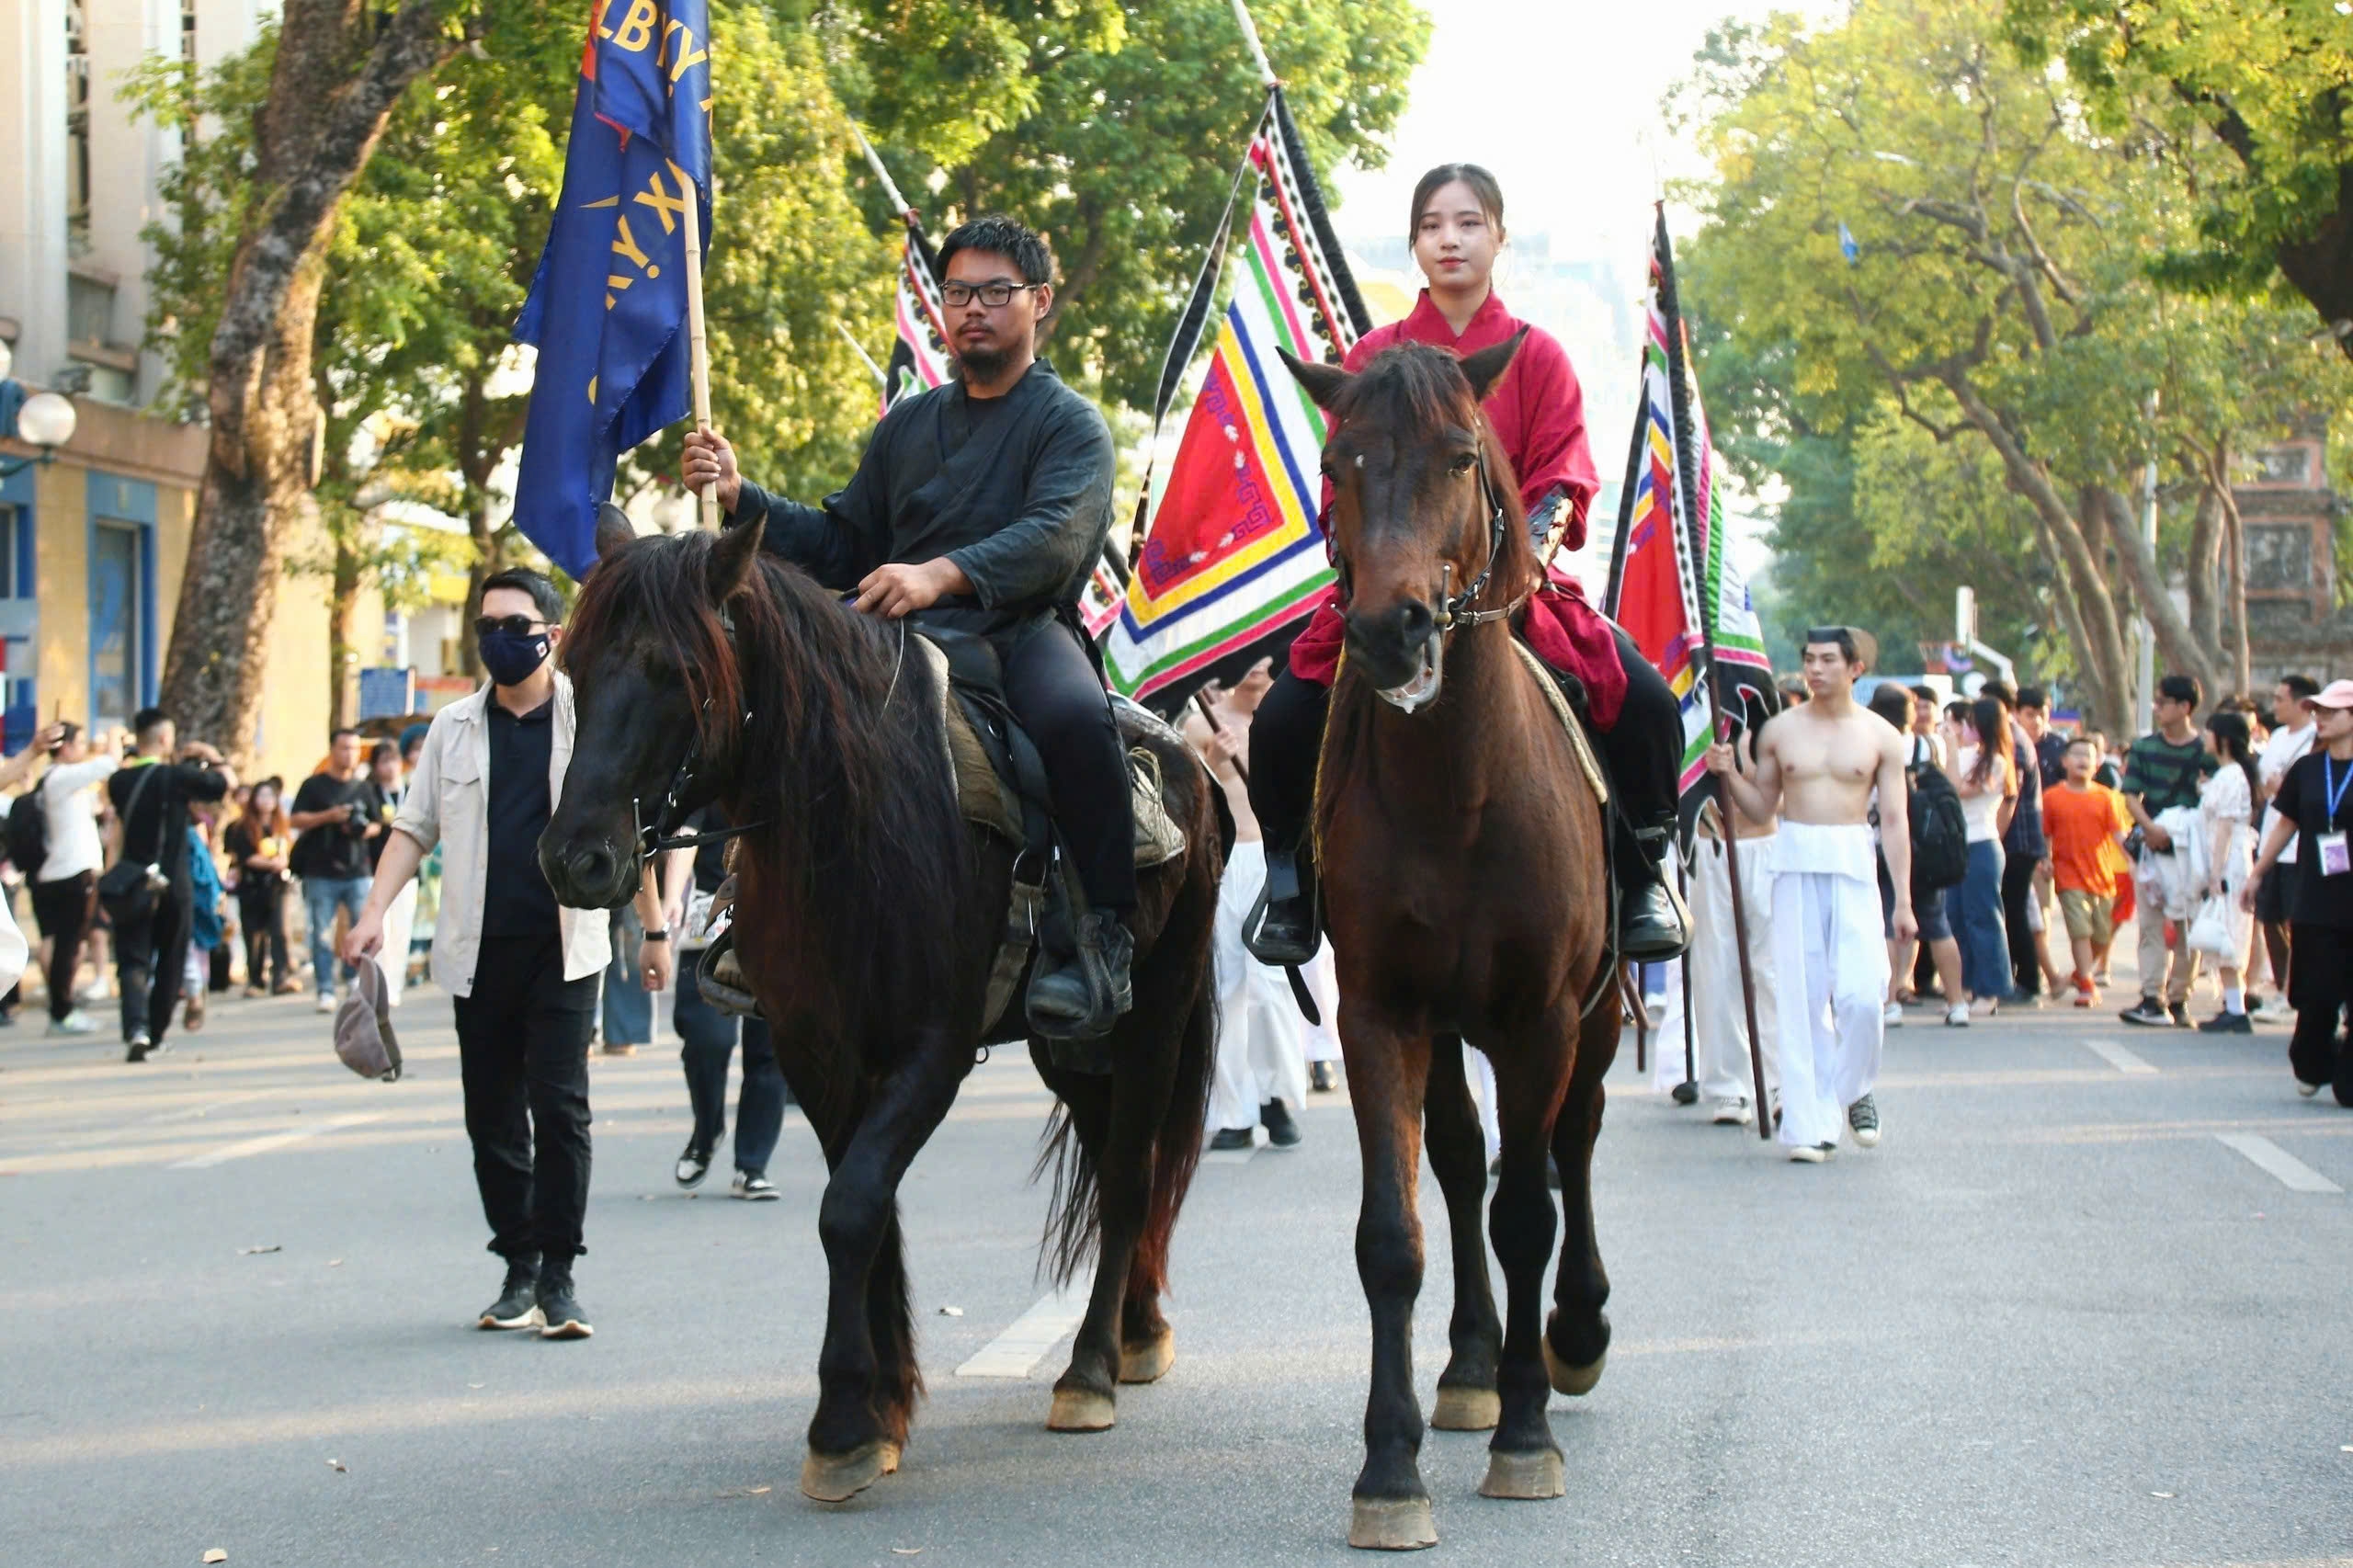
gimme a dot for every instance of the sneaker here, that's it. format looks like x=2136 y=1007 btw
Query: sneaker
x=1228 y=1138
x=2179 y=1014
x=326 y=1003
x=1812 y=1153
x=693 y=1165
x=612 y=1050
x=1863 y=1118
x=74 y=1022
x=2307 y=1090
x=2024 y=999
x=2227 y=1023
x=754 y=1187
x=1281 y=1131
x=137 y=1047
x=1892 y=1016
x=559 y=1313
x=517 y=1305
x=1957 y=1016
x=1730 y=1111
x=2086 y=994
x=1323 y=1077
x=2150 y=1014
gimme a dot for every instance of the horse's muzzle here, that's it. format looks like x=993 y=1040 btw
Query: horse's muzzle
x=1391 y=645
x=588 y=873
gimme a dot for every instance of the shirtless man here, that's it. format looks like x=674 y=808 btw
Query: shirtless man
x=1817 y=767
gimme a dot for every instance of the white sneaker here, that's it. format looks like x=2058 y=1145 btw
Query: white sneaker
x=1957 y=1016
x=1891 y=1015
x=2307 y=1090
x=1813 y=1153
x=74 y=1022
x=1730 y=1111
x=327 y=1004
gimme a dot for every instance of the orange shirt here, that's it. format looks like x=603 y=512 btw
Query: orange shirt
x=2082 y=825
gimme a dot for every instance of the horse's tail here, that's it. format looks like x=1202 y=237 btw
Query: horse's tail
x=889 y=1320
x=1074 y=1205
x=1177 y=1151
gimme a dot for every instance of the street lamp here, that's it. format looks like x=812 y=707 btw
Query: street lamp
x=41 y=419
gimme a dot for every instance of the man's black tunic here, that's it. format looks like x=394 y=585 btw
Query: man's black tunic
x=1016 y=490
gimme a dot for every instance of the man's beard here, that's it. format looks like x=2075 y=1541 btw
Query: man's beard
x=982 y=364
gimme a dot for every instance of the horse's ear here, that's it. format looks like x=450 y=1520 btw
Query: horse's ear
x=1323 y=381
x=1485 y=368
x=613 y=531
x=733 y=557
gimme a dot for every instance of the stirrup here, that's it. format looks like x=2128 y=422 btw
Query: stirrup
x=719 y=979
x=1289 y=880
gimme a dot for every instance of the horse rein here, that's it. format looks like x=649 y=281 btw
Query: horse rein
x=1453 y=609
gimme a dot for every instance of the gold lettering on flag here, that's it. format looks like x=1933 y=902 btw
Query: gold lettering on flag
x=662 y=204
x=636 y=30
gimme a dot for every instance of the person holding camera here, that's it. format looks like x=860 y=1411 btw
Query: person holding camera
x=149 y=892
x=335 y=818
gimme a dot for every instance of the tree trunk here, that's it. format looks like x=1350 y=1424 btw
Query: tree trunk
x=2234 y=582
x=2201 y=575
x=2103 y=706
x=2178 y=649
x=341 y=67
x=343 y=609
x=477 y=460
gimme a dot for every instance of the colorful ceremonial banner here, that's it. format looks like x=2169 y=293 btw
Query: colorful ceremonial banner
x=919 y=353
x=1231 y=550
x=1738 y=634
x=607 y=310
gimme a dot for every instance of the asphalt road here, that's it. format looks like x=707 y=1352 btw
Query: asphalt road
x=2074 y=1310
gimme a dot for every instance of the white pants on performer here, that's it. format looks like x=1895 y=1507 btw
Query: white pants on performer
x=1261 y=1055
x=1719 y=1023
x=1324 y=984
x=400 y=919
x=1830 y=959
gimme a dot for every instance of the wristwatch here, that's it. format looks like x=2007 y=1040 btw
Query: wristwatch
x=661 y=936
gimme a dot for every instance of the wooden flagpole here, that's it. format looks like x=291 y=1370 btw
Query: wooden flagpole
x=1686 y=484
x=881 y=379
x=697 y=347
x=1266 y=77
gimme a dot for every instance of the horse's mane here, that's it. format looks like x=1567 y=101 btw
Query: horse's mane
x=863 y=806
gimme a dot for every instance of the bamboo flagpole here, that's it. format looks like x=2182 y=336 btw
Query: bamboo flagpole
x=1686 y=485
x=697 y=347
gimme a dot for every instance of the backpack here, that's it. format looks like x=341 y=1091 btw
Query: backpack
x=1940 y=831
x=29 y=833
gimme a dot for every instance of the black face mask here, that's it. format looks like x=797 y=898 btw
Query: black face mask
x=512 y=657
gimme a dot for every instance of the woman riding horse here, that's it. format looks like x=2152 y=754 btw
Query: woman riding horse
x=1538 y=412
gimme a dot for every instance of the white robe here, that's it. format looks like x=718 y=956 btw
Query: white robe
x=1720 y=1024
x=1830 y=959
x=1260 y=1053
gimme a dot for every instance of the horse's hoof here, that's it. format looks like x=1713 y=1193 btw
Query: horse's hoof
x=838 y=1478
x=1081 y=1410
x=1149 y=1362
x=1527 y=1476
x=1391 y=1524
x=1572 y=1381
x=1467 y=1409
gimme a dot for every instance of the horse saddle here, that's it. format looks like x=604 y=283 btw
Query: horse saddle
x=1001 y=788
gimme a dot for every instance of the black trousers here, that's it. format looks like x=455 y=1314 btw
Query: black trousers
x=2320 y=987
x=261 y=909
x=523 y=1058
x=150 y=956
x=63 y=909
x=2018 y=891
x=1052 y=687
x=1641 y=750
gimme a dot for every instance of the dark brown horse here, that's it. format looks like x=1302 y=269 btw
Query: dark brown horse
x=867 y=916
x=1466 y=894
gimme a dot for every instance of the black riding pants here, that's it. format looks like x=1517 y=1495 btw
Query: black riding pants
x=1287 y=733
x=1052 y=687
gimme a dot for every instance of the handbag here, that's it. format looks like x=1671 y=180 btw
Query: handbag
x=2209 y=929
x=128 y=888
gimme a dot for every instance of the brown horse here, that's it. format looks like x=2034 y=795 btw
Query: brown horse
x=1466 y=893
x=867 y=916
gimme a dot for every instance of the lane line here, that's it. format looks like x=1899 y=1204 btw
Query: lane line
x=274 y=1141
x=2267 y=1156
x=1024 y=1343
x=2117 y=1057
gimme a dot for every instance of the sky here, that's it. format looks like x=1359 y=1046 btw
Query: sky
x=1561 y=99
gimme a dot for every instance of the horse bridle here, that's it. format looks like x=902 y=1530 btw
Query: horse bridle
x=1455 y=610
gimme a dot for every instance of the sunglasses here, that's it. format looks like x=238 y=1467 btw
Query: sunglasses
x=515 y=625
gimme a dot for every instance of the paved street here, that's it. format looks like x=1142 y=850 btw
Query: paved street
x=2087 y=1304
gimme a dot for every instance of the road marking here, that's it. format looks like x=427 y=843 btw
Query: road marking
x=1021 y=1347
x=274 y=1141
x=2294 y=1174
x=2117 y=1057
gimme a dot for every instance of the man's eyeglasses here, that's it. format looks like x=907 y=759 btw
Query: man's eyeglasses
x=958 y=295
x=515 y=625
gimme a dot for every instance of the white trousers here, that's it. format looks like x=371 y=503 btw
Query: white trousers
x=1324 y=984
x=1720 y=1024
x=400 y=920
x=1831 y=958
x=1261 y=1055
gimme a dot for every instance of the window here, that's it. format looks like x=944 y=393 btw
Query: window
x=117 y=660
x=8 y=554
x=77 y=125
x=90 y=309
x=188 y=32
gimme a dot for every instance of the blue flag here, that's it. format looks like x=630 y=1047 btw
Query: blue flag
x=608 y=309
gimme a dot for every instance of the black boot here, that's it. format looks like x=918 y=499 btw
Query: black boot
x=1084 y=996
x=1285 y=925
x=1653 y=926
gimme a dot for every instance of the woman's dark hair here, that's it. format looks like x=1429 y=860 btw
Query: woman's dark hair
x=1992 y=737
x=2233 y=740
x=1483 y=186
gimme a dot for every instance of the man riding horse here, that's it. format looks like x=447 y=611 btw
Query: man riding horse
x=981 y=506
